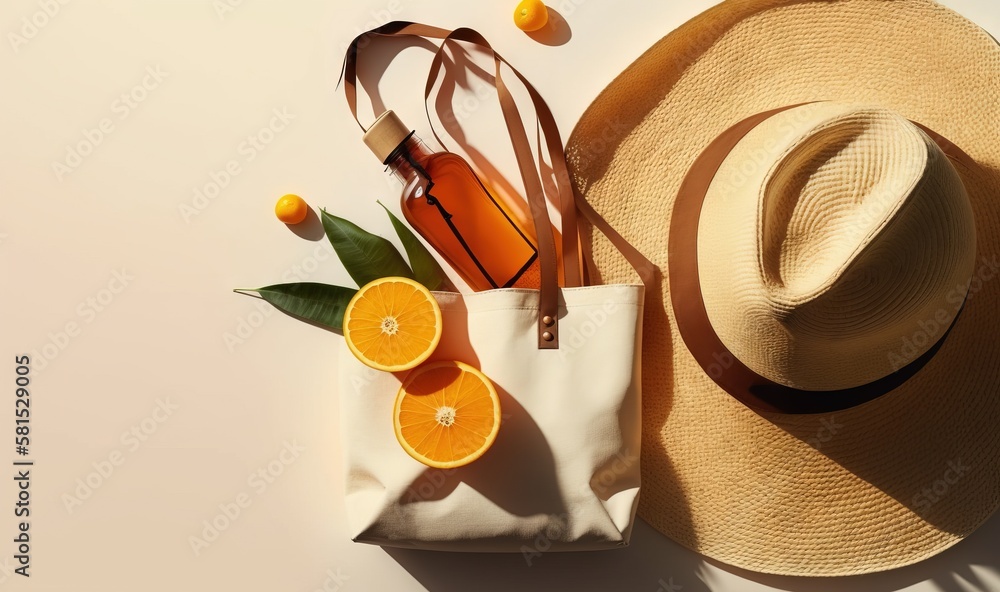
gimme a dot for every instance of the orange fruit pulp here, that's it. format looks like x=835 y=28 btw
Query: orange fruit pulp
x=392 y=324
x=447 y=414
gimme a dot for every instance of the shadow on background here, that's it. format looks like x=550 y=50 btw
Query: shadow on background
x=555 y=32
x=311 y=228
x=653 y=563
x=649 y=564
x=373 y=61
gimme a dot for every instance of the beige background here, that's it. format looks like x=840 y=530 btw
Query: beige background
x=160 y=399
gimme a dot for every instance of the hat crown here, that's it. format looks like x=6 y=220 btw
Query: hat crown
x=829 y=233
x=838 y=185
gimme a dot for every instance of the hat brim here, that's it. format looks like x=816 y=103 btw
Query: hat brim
x=877 y=486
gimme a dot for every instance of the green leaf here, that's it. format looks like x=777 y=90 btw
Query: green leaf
x=426 y=269
x=319 y=304
x=365 y=256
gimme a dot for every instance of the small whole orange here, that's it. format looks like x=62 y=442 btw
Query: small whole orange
x=531 y=15
x=291 y=209
x=392 y=324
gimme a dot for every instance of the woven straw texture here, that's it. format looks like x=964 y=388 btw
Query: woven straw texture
x=851 y=227
x=875 y=487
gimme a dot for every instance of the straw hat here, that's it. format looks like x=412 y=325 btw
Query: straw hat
x=818 y=182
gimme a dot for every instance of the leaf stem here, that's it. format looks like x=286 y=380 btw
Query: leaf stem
x=248 y=292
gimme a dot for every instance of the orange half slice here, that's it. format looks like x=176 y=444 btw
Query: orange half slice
x=447 y=414
x=392 y=324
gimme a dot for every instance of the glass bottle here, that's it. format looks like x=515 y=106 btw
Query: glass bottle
x=447 y=204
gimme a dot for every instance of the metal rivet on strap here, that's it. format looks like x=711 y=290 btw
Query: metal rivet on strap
x=547 y=336
x=548 y=321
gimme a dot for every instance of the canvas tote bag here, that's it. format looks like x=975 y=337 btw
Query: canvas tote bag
x=563 y=473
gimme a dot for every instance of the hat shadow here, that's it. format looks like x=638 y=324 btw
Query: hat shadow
x=919 y=462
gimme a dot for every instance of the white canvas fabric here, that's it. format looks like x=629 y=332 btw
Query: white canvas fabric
x=563 y=473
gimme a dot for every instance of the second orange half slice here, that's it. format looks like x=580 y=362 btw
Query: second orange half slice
x=447 y=414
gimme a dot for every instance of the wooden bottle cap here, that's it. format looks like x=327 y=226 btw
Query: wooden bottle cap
x=385 y=135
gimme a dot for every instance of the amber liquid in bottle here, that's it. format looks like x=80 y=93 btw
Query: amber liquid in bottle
x=449 y=206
